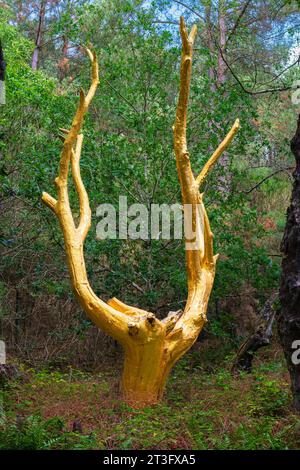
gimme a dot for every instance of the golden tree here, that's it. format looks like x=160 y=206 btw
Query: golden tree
x=152 y=346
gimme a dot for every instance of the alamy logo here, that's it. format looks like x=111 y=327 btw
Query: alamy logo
x=157 y=222
x=296 y=354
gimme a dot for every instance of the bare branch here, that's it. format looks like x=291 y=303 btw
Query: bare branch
x=237 y=22
x=190 y=9
x=121 y=96
x=266 y=178
x=252 y=92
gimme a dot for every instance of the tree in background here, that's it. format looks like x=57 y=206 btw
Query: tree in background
x=2 y=76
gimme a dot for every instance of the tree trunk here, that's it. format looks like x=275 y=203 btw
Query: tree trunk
x=258 y=339
x=38 y=41
x=2 y=76
x=222 y=42
x=63 y=64
x=289 y=293
x=224 y=178
x=2 y=64
x=208 y=38
x=145 y=373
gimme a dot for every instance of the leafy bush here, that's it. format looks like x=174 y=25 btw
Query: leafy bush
x=269 y=397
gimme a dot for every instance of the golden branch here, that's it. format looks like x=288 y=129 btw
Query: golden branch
x=200 y=261
x=217 y=153
x=84 y=206
x=105 y=316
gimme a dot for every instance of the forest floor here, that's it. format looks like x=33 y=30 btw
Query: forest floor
x=204 y=408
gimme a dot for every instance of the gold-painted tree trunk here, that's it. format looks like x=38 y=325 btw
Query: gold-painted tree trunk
x=151 y=346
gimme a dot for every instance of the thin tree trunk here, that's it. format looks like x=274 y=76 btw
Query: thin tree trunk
x=289 y=293
x=224 y=179
x=256 y=340
x=2 y=76
x=38 y=41
x=20 y=13
x=63 y=64
x=222 y=43
x=210 y=45
x=2 y=64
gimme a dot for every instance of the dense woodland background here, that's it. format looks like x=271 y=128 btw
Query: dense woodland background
x=246 y=64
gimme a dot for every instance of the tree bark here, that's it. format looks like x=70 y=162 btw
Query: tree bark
x=258 y=339
x=2 y=76
x=145 y=372
x=222 y=42
x=63 y=64
x=38 y=41
x=289 y=293
x=2 y=64
x=208 y=37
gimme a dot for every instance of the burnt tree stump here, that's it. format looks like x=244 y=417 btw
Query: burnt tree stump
x=259 y=338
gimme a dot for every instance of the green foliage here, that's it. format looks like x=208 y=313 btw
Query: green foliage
x=270 y=398
x=202 y=410
x=35 y=433
x=29 y=435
